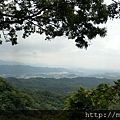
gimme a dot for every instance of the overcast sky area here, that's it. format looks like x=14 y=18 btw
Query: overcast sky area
x=104 y=53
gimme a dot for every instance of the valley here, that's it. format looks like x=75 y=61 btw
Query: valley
x=48 y=88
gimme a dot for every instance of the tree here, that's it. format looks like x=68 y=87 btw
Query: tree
x=114 y=10
x=75 y=19
x=104 y=97
x=12 y=98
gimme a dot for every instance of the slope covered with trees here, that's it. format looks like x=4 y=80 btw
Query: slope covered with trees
x=61 y=86
x=39 y=99
x=103 y=97
x=46 y=100
x=12 y=98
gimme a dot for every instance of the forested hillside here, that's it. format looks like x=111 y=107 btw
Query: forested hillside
x=102 y=97
x=45 y=100
x=61 y=86
x=43 y=93
x=12 y=98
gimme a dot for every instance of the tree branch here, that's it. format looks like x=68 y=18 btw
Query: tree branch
x=115 y=2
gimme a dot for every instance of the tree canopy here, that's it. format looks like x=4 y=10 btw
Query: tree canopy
x=13 y=99
x=104 y=97
x=74 y=19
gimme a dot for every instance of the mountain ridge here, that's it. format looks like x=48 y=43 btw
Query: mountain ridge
x=18 y=70
x=3 y=62
x=22 y=70
x=61 y=86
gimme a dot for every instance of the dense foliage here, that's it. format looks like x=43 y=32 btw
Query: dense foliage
x=45 y=100
x=76 y=19
x=104 y=97
x=12 y=98
x=60 y=86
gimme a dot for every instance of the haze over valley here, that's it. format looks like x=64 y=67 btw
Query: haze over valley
x=50 y=87
x=20 y=70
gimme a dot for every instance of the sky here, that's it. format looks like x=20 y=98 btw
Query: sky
x=103 y=53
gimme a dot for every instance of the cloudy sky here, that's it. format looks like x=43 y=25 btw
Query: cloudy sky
x=104 y=53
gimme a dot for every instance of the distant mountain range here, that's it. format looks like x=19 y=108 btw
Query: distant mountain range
x=21 y=70
x=25 y=70
x=2 y=62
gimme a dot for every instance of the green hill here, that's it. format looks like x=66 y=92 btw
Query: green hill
x=45 y=100
x=60 y=86
x=12 y=98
